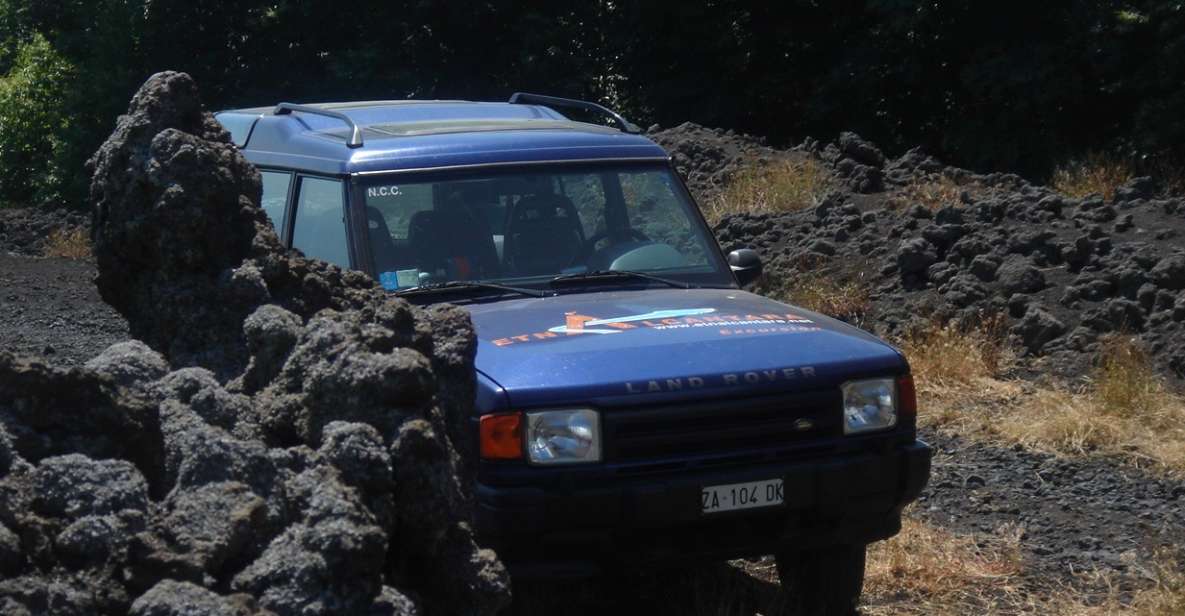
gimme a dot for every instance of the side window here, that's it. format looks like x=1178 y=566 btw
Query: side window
x=320 y=229
x=275 y=196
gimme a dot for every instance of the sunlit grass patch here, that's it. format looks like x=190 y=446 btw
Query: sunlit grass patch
x=929 y=570
x=1124 y=410
x=1125 y=381
x=944 y=355
x=844 y=295
x=1095 y=174
x=68 y=243
x=1161 y=591
x=1166 y=595
x=779 y=186
x=933 y=194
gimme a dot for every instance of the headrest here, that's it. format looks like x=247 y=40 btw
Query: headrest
x=542 y=207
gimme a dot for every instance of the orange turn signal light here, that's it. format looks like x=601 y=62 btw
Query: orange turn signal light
x=502 y=436
x=907 y=396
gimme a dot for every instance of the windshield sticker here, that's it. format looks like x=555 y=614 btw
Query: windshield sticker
x=383 y=191
x=666 y=320
x=400 y=279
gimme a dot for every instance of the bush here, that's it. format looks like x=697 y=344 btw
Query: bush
x=1096 y=174
x=34 y=104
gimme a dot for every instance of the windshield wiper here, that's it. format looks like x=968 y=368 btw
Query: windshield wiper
x=465 y=287
x=601 y=275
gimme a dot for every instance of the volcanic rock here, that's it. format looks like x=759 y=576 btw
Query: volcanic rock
x=278 y=441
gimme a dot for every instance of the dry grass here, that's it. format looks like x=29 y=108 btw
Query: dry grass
x=68 y=243
x=1125 y=381
x=780 y=186
x=1166 y=595
x=928 y=570
x=943 y=356
x=933 y=194
x=931 y=571
x=1162 y=592
x=1096 y=174
x=843 y=295
x=1124 y=411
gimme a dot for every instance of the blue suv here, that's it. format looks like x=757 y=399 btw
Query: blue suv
x=634 y=404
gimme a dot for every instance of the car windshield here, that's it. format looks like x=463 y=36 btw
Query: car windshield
x=526 y=227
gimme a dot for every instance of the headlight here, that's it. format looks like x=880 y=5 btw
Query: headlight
x=869 y=405
x=564 y=437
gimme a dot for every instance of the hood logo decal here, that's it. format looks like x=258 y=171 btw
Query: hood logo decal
x=576 y=324
x=751 y=377
x=580 y=324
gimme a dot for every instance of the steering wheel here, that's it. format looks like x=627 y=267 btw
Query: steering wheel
x=590 y=244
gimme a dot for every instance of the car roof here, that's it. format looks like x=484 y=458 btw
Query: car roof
x=413 y=134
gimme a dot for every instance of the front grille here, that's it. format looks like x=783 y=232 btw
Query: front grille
x=728 y=427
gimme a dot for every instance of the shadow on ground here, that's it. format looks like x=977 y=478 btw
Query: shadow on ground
x=716 y=590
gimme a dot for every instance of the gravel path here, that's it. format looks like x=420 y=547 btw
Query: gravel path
x=50 y=307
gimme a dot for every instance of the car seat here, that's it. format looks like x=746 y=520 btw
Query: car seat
x=543 y=235
x=382 y=247
x=453 y=240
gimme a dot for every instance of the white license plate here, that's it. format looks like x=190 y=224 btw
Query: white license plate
x=733 y=496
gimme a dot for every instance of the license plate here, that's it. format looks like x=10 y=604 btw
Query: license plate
x=733 y=496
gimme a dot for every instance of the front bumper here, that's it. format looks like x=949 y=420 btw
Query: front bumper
x=577 y=528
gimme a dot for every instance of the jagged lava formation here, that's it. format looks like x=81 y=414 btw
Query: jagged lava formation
x=279 y=439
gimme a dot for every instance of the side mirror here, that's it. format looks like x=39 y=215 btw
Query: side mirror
x=745 y=264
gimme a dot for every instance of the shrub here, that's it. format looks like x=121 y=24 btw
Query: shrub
x=1096 y=174
x=781 y=186
x=34 y=114
x=1124 y=382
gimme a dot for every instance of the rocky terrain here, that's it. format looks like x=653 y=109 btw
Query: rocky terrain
x=26 y=231
x=1058 y=272
x=280 y=441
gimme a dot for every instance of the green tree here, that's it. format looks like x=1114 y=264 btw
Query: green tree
x=34 y=119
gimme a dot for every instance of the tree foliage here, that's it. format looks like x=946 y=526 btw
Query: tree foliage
x=991 y=85
x=33 y=123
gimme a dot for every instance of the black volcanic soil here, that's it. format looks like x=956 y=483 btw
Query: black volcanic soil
x=50 y=307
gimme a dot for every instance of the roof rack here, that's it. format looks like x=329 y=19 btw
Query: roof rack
x=525 y=98
x=355 y=140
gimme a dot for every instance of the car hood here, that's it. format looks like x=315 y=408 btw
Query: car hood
x=625 y=347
